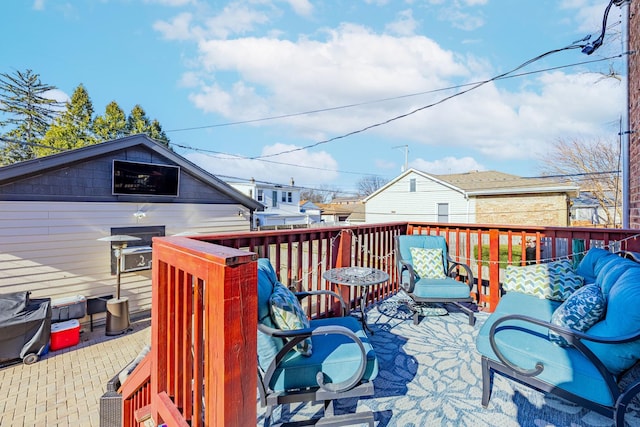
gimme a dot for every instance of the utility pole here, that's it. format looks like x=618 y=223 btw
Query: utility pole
x=406 y=156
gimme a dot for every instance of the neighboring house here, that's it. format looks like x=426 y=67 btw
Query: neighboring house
x=471 y=198
x=311 y=210
x=341 y=212
x=54 y=208
x=281 y=204
x=586 y=211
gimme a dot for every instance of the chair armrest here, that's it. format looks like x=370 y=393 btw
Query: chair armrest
x=574 y=338
x=407 y=266
x=453 y=265
x=294 y=336
x=304 y=294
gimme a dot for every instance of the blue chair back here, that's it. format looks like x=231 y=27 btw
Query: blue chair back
x=268 y=347
x=406 y=242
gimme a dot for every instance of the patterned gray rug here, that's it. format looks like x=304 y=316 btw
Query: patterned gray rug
x=430 y=376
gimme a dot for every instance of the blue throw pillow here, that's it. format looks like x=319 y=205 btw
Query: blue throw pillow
x=583 y=309
x=287 y=314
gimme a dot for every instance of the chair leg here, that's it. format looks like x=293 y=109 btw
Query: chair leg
x=486 y=382
x=469 y=312
x=416 y=317
x=621 y=405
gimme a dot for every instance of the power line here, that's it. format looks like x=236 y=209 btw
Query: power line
x=433 y=104
x=377 y=101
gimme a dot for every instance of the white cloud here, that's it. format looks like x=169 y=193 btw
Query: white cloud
x=251 y=77
x=301 y=7
x=352 y=64
x=171 y=3
x=236 y=18
x=304 y=166
x=38 y=4
x=404 y=25
x=461 y=20
x=179 y=28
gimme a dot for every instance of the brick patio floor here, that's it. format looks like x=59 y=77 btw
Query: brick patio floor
x=64 y=387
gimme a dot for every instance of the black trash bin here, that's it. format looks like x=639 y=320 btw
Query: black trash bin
x=25 y=327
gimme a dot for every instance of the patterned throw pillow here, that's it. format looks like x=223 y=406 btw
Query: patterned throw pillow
x=428 y=263
x=554 y=280
x=287 y=314
x=583 y=309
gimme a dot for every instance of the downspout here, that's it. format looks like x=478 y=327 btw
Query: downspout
x=625 y=131
x=466 y=196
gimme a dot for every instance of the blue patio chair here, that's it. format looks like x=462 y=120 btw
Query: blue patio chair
x=428 y=275
x=324 y=360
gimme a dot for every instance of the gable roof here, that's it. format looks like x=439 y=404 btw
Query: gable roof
x=65 y=159
x=485 y=183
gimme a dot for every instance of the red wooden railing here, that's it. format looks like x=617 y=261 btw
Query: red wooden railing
x=202 y=367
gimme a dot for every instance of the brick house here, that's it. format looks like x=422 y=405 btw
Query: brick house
x=634 y=114
x=487 y=197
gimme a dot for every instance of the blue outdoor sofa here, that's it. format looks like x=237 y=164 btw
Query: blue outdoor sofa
x=578 y=349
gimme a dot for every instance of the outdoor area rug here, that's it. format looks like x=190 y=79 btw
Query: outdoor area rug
x=430 y=375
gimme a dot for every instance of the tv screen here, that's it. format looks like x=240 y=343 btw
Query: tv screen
x=145 y=178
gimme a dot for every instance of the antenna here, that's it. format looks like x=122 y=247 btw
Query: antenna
x=406 y=156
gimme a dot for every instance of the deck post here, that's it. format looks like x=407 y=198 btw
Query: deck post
x=342 y=258
x=494 y=269
x=203 y=334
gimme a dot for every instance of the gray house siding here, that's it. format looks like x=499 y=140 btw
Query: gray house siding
x=53 y=210
x=396 y=202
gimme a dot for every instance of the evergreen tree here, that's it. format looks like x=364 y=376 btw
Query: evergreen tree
x=28 y=111
x=73 y=128
x=138 y=122
x=157 y=133
x=112 y=124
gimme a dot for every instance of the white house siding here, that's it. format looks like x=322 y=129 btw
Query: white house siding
x=397 y=203
x=51 y=248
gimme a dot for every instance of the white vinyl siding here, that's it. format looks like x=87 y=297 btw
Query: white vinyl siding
x=51 y=248
x=397 y=203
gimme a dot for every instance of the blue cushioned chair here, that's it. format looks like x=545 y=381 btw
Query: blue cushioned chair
x=424 y=290
x=342 y=364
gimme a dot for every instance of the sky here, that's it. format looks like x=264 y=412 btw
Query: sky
x=330 y=92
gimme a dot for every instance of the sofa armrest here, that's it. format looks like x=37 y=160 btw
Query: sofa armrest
x=574 y=338
x=294 y=336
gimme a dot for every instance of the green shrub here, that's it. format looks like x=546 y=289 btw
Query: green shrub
x=516 y=254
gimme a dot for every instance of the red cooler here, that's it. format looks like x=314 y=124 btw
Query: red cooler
x=65 y=334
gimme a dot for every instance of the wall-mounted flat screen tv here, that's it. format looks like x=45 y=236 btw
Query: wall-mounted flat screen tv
x=135 y=178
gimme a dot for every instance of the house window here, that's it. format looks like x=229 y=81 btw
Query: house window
x=289 y=197
x=274 y=199
x=412 y=185
x=251 y=193
x=284 y=196
x=260 y=195
x=443 y=212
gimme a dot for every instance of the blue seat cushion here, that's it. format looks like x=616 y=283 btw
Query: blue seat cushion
x=335 y=355
x=564 y=367
x=441 y=288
